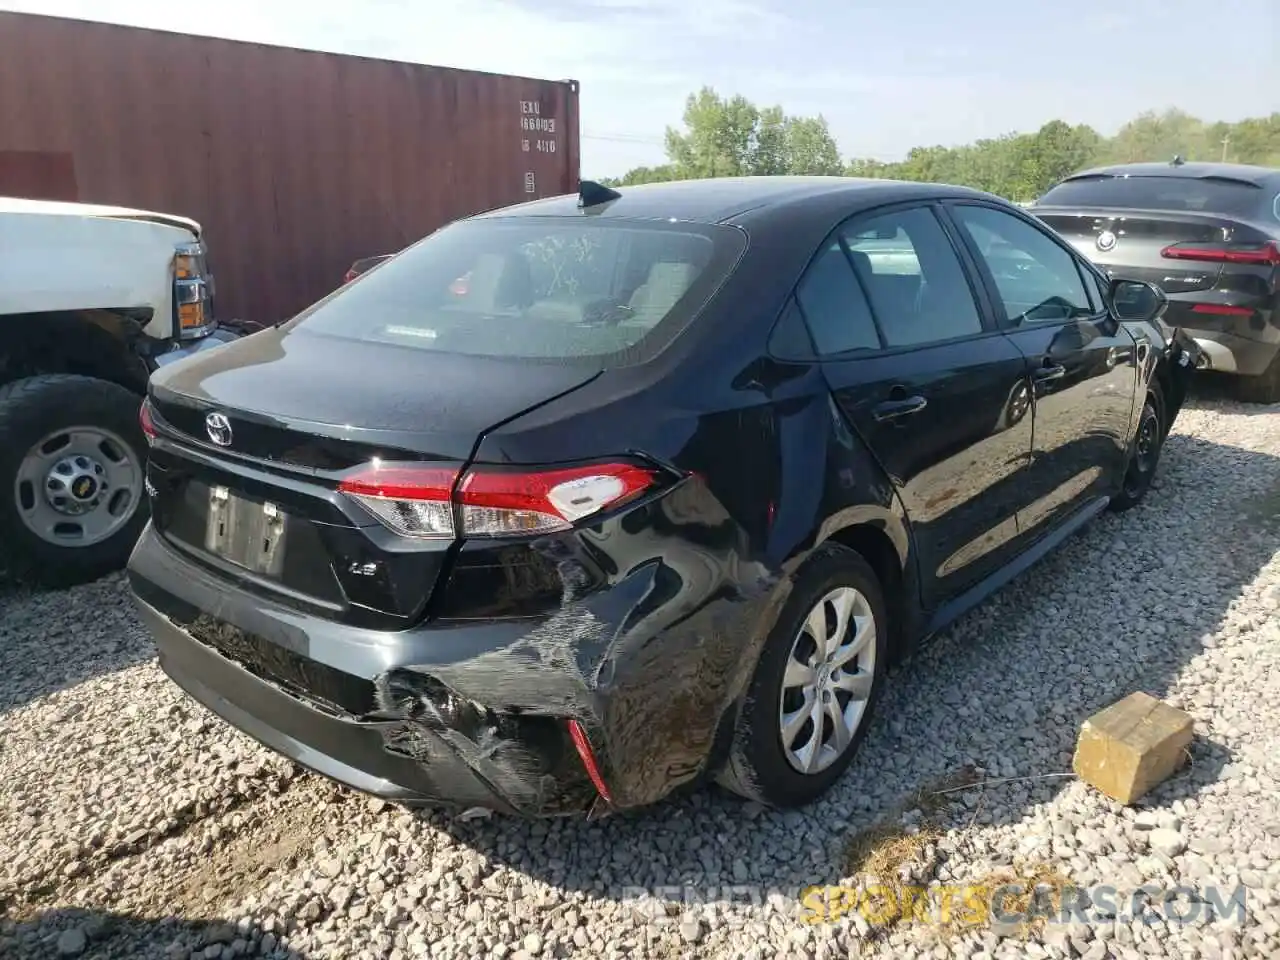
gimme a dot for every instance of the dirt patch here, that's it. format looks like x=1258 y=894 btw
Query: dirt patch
x=242 y=858
x=212 y=861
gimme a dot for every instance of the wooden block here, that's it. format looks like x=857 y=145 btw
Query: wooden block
x=1127 y=748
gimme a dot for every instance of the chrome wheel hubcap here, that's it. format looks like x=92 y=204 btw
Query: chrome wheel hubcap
x=78 y=486
x=827 y=680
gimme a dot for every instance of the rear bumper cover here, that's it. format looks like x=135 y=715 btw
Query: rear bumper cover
x=465 y=714
x=339 y=748
x=391 y=732
x=1228 y=353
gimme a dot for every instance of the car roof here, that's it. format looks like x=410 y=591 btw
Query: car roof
x=1244 y=172
x=722 y=199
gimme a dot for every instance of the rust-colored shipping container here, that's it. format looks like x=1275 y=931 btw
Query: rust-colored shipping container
x=297 y=163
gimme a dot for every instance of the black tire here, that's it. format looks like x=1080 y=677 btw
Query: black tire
x=757 y=767
x=30 y=409
x=1263 y=388
x=1144 y=459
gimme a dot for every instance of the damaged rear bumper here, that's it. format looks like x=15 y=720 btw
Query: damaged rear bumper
x=399 y=734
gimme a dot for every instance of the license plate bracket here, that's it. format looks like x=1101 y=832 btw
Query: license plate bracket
x=245 y=532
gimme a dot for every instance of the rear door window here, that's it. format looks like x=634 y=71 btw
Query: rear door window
x=537 y=288
x=913 y=277
x=838 y=314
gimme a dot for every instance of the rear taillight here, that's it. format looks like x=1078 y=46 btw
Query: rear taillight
x=1263 y=255
x=1222 y=310
x=147 y=421
x=430 y=502
x=411 y=500
x=581 y=743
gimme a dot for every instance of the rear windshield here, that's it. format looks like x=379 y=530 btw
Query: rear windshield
x=1193 y=194
x=536 y=288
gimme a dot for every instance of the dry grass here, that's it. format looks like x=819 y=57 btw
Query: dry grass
x=1030 y=892
x=897 y=863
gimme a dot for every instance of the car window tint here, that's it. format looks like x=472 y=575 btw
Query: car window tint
x=1037 y=279
x=913 y=277
x=1169 y=192
x=609 y=291
x=790 y=340
x=1097 y=290
x=833 y=304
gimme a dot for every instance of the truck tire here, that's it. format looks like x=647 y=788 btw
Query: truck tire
x=72 y=478
x=1262 y=388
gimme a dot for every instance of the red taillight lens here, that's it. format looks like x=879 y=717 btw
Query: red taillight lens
x=1222 y=310
x=578 y=734
x=1265 y=255
x=147 y=421
x=506 y=502
x=419 y=501
x=411 y=500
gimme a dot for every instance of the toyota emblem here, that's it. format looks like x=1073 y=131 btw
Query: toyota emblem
x=1106 y=241
x=219 y=429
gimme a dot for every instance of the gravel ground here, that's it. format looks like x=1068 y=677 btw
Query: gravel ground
x=134 y=824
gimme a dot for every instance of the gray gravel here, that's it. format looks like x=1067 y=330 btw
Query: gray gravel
x=134 y=824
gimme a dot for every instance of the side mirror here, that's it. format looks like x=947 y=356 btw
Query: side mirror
x=1137 y=300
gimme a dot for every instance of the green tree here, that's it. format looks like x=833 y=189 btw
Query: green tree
x=733 y=137
x=809 y=148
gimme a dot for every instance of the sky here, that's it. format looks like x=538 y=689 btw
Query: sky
x=887 y=74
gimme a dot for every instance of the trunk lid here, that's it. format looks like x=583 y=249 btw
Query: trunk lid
x=256 y=497
x=1128 y=242
x=315 y=401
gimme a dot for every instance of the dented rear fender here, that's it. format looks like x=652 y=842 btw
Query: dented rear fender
x=661 y=616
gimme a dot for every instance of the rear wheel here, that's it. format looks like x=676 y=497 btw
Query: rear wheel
x=815 y=686
x=72 y=462
x=1145 y=457
x=1263 y=388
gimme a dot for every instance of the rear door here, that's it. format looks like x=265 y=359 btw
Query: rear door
x=1081 y=361
x=935 y=391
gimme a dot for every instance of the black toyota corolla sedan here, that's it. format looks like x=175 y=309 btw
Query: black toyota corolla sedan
x=657 y=492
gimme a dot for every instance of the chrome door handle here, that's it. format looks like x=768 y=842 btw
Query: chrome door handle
x=894 y=409
x=1048 y=374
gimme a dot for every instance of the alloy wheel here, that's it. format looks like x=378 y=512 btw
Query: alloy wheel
x=828 y=680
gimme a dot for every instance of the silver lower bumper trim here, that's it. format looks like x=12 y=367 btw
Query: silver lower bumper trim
x=1217 y=357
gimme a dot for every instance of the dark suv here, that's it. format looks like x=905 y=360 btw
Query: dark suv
x=1208 y=234
x=662 y=495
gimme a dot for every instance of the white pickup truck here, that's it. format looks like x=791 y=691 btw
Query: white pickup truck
x=92 y=300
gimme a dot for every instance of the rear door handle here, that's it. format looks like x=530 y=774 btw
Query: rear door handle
x=894 y=409
x=1047 y=374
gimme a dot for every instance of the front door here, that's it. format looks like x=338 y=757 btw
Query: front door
x=932 y=388
x=1081 y=362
